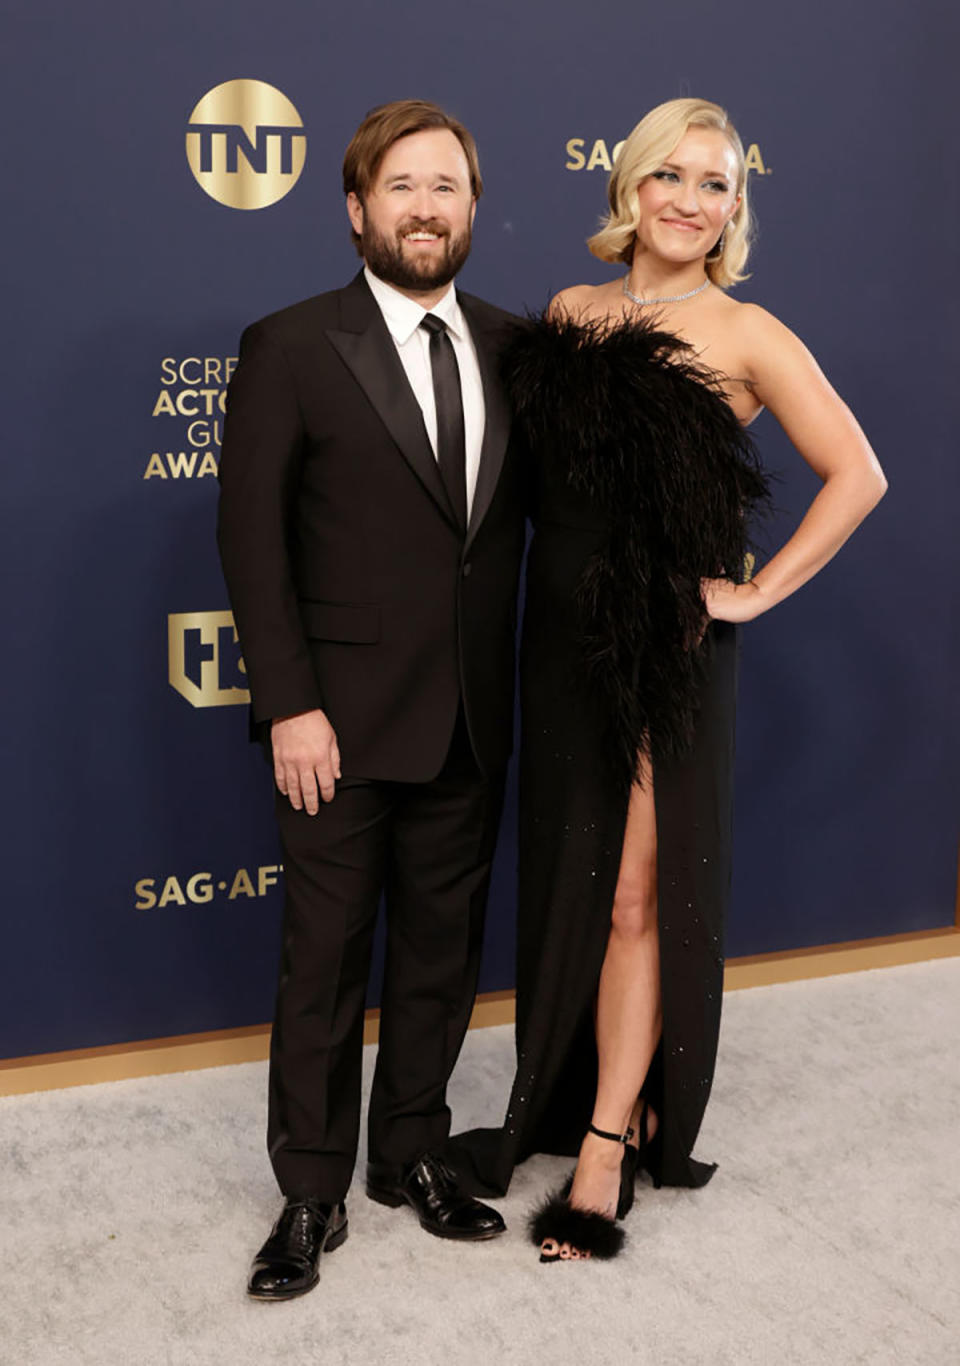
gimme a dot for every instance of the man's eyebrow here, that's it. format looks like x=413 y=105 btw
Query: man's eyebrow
x=406 y=175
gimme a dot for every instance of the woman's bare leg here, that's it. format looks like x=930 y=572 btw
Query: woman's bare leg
x=628 y=1015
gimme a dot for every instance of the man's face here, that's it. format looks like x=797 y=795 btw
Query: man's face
x=415 y=221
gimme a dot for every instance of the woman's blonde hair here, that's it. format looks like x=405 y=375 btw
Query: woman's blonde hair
x=647 y=147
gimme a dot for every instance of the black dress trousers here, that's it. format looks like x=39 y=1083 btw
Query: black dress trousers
x=427 y=847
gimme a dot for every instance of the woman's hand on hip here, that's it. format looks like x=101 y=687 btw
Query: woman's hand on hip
x=729 y=601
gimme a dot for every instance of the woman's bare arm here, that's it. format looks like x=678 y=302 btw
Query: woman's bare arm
x=785 y=377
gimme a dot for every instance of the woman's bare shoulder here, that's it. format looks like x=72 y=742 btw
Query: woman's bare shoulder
x=766 y=344
x=755 y=324
x=579 y=303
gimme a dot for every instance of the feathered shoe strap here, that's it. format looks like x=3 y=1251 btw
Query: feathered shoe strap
x=583 y=1229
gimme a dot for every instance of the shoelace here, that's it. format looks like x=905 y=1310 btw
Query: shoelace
x=299 y=1223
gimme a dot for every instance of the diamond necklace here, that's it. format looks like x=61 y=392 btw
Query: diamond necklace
x=668 y=299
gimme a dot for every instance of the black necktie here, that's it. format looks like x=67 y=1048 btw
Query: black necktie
x=451 y=442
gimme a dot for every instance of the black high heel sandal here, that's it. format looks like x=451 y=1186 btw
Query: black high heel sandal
x=586 y=1229
x=648 y=1152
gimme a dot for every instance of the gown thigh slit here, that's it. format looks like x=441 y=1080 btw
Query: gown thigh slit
x=642 y=483
x=627 y=1015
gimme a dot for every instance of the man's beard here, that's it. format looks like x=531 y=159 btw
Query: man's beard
x=385 y=256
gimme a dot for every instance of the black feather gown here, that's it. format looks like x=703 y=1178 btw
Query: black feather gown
x=643 y=483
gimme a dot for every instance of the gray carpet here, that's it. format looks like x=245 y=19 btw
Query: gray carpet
x=829 y=1234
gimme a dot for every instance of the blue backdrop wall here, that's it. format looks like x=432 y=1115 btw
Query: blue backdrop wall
x=142 y=891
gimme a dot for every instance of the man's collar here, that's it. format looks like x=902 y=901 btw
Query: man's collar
x=404 y=315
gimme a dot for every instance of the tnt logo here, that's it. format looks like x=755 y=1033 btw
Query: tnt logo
x=204 y=659
x=245 y=144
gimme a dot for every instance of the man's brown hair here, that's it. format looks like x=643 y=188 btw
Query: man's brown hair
x=387 y=124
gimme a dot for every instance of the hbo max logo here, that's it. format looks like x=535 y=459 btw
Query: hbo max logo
x=246 y=144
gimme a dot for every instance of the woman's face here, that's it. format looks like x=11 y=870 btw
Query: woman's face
x=687 y=200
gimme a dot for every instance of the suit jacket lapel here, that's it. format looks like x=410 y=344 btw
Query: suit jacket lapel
x=496 y=427
x=367 y=349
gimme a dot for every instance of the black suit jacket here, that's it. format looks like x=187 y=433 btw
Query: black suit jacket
x=352 y=587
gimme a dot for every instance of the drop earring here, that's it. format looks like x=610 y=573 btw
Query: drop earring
x=716 y=251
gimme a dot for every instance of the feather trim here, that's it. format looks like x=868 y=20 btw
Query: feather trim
x=585 y=1229
x=648 y=438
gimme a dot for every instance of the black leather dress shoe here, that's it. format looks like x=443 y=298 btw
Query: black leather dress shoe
x=288 y=1263
x=431 y=1188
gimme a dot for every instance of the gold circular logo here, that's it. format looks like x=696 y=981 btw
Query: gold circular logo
x=245 y=144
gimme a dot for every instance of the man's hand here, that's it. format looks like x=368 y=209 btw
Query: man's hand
x=305 y=756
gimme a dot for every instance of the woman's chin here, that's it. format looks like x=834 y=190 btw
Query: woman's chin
x=674 y=253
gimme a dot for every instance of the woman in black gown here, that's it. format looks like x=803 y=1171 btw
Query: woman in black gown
x=633 y=397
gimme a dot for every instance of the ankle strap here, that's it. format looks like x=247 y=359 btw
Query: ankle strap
x=614 y=1138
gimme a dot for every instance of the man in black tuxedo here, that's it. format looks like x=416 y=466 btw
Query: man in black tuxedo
x=371 y=532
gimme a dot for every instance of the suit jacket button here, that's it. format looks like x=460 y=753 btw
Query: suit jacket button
x=466 y=570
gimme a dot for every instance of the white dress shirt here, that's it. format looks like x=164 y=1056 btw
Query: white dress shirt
x=403 y=317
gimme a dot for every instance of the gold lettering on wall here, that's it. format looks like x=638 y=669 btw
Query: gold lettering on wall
x=592 y=154
x=246 y=144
